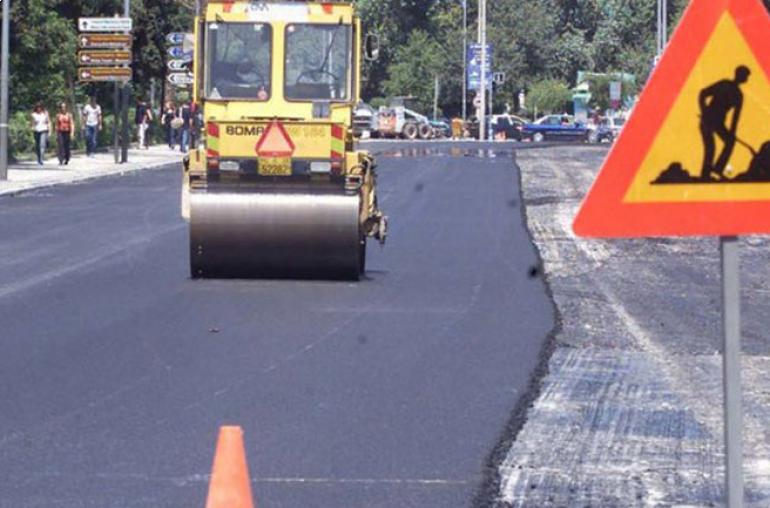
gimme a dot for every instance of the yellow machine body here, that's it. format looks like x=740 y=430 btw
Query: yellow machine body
x=276 y=187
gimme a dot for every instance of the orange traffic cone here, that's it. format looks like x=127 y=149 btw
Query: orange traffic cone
x=230 y=485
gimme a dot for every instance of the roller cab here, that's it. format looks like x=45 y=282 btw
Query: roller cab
x=277 y=188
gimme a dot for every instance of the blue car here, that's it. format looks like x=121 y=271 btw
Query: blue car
x=555 y=128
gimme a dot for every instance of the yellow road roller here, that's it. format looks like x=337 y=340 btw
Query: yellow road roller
x=276 y=188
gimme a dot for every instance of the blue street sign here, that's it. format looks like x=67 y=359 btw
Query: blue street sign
x=176 y=37
x=179 y=52
x=473 y=56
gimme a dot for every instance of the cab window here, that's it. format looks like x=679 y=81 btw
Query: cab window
x=238 y=64
x=317 y=63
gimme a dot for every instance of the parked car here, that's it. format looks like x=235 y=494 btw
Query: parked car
x=507 y=126
x=607 y=130
x=441 y=128
x=555 y=128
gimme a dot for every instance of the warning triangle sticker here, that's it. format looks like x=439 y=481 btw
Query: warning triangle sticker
x=694 y=157
x=275 y=141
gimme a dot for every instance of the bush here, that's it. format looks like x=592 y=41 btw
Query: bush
x=549 y=96
x=21 y=141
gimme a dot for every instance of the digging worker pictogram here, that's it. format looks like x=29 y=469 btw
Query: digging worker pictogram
x=716 y=102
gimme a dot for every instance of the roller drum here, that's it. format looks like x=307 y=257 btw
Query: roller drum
x=275 y=235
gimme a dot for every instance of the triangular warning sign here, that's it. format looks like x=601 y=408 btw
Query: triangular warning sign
x=275 y=141
x=694 y=158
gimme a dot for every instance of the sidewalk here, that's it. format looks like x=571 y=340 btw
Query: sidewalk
x=28 y=175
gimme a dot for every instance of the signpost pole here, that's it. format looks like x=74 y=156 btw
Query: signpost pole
x=125 y=97
x=4 y=92
x=124 y=101
x=731 y=358
x=116 y=125
x=465 y=62
x=483 y=88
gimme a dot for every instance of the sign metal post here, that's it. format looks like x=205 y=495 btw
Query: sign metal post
x=731 y=363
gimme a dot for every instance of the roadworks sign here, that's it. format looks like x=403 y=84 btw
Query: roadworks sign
x=694 y=158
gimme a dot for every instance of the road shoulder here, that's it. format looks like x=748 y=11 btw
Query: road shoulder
x=630 y=412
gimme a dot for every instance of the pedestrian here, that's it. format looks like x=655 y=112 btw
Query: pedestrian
x=92 y=119
x=168 y=120
x=65 y=128
x=185 y=115
x=142 y=118
x=41 y=127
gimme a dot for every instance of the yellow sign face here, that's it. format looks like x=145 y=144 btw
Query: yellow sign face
x=311 y=140
x=714 y=144
x=274 y=166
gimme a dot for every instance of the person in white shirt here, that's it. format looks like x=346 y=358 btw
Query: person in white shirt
x=41 y=127
x=92 y=119
x=142 y=120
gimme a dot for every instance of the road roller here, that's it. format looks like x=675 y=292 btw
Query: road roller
x=275 y=186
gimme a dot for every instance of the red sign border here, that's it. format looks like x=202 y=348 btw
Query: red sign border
x=603 y=213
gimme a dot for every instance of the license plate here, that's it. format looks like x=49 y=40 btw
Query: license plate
x=278 y=166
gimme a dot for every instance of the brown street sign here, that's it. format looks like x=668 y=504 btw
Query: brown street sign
x=104 y=73
x=102 y=57
x=105 y=41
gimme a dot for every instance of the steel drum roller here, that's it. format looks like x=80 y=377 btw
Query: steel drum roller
x=268 y=234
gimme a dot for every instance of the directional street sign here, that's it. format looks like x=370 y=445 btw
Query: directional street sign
x=104 y=73
x=180 y=78
x=104 y=57
x=179 y=65
x=105 y=24
x=186 y=40
x=694 y=158
x=473 y=57
x=105 y=41
x=175 y=38
x=179 y=52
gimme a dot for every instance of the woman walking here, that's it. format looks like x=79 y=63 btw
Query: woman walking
x=65 y=128
x=41 y=127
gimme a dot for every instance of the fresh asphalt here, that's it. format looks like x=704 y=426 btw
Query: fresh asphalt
x=117 y=369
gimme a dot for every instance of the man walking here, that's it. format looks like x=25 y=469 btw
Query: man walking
x=716 y=102
x=92 y=119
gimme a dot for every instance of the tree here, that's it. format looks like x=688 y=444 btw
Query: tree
x=600 y=89
x=414 y=70
x=549 y=96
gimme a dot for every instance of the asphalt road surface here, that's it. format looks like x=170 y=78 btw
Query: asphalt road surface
x=117 y=369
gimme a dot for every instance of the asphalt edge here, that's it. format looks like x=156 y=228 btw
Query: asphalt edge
x=19 y=192
x=488 y=493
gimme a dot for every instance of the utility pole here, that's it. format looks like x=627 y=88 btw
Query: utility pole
x=465 y=62
x=4 y=91
x=483 y=91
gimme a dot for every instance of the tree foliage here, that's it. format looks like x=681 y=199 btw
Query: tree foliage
x=43 y=51
x=549 y=96
x=535 y=40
